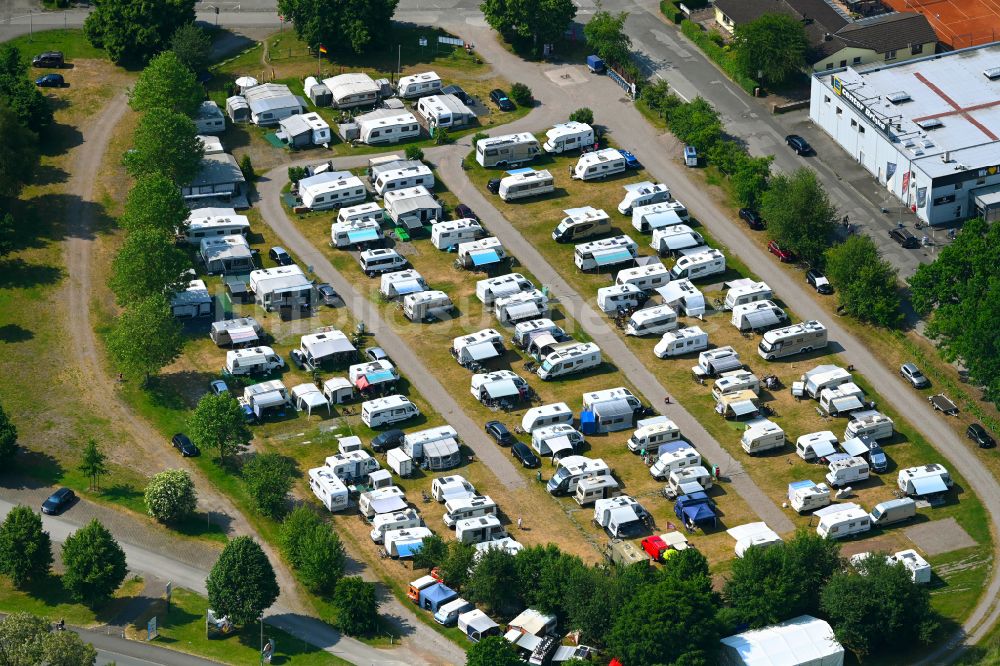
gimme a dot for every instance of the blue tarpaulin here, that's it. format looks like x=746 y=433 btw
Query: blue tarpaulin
x=588 y=424
x=514 y=172
x=702 y=513
x=380 y=376
x=407 y=287
x=408 y=549
x=608 y=258
x=484 y=257
x=362 y=235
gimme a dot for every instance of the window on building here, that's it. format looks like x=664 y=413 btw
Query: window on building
x=854 y=124
x=826 y=99
x=829 y=65
x=843 y=63
x=839 y=111
x=857 y=60
x=890 y=55
x=917 y=49
x=861 y=129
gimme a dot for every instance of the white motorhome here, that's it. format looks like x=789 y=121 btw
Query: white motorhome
x=745 y=290
x=752 y=535
x=733 y=381
x=479 y=529
x=699 y=265
x=824 y=376
x=649 y=437
x=326 y=345
x=815 y=446
x=556 y=441
x=679 y=479
x=478 y=346
x=648 y=277
x=762 y=435
x=673 y=239
x=598 y=164
x=282 y=286
x=351 y=90
x=482 y=252
x=388 y=410
x=418 y=85
x=869 y=423
x=519 y=307
x=655 y=216
x=384 y=500
x=214 y=223
x=684 y=297
x=805 y=496
x=842 y=400
x=253 y=361
x=644 y=193
x=448 y=613
x=621 y=517
x=682 y=341
x=330 y=490
x=387 y=126
x=546 y=415
x=507 y=150
x=445 y=488
x=463 y=508
x=380 y=260
x=331 y=189
x=605 y=253
x=427 y=306
x=795 y=339
x=619 y=297
x=490 y=289
x=758 y=316
x=404 y=543
x=352 y=465
x=350 y=233
x=451 y=233
x=571 y=359
x=387 y=522
x=714 y=362
x=524 y=184
x=674 y=459
x=580 y=223
x=924 y=480
x=400 y=283
x=589 y=491
x=842 y=520
x=652 y=321
x=403 y=177
x=437 y=448
x=847 y=470
x=571 y=470
x=568 y=136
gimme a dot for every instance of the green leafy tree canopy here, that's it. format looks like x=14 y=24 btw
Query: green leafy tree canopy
x=167 y=83
x=134 y=32
x=268 y=478
x=217 y=423
x=93 y=464
x=155 y=202
x=19 y=157
x=95 y=564
x=165 y=142
x=357 y=606
x=529 y=22
x=492 y=651
x=799 y=214
x=241 y=584
x=148 y=263
x=28 y=640
x=345 y=26
x=771 y=48
x=192 y=46
x=605 y=34
x=25 y=548
x=170 y=496
x=8 y=439
x=146 y=338
x=866 y=283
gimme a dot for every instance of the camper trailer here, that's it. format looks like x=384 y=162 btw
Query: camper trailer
x=734 y=381
x=479 y=529
x=565 y=137
x=594 y=398
x=193 y=300
x=445 y=488
x=448 y=613
x=526 y=331
x=364 y=211
x=841 y=400
x=331 y=189
x=842 y=520
x=745 y=290
x=386 y=126
x=355 y=233
x=893 y=511
x=386 y=522
x=399 y=462
x=351 y=466
x=822 y=377
x=502 y=384
x=388 y=410
x=214 y=223
x=680 y=342
x=351 y=90
x=752 y=535
x=270 y=102
x=815 y=446
x=652 y=321
x=924 y=480
x=648 y=278
x=404 y=543
x=281 y=287
x=463 y=508
x=846 y=471
x=605 y=253
x=580 y=223
x=338 y=390
x=737 y=405
x=380 y=374
x=920 y=570
x=572 y=359
x=546 y=415
x=438 y=448
x=571 y=470
x=253 y=361
x=643 y=194
x=445 y=111
x=674 y=239
x=806 y=496
x=400 y=283
x=490 y=289
x=790 y=340
x=519 y=307
x=758 y=316
x=526 y=183
x=479 y=346
x=598 y=164
x=228 y=254
x=265 y=398
x=684 y=297
x=330 y=490
x=762 y=435
x=869 y=423
x=699 y=265
x=326 y=346
x=679 y=480
x=556 y=440
x=209 y=119
x=410 y=175
x=589 y=491
x=620 y=297
x=650 y=437
x=382 y=501
x=476 y=625
x=303 y=130
x=418 y=85
x=480 y=253
x=714 y=362
x=621 y=517
x=380 y=260
x=656 y=216
x=450 y=233
x=427 y=306
x=507 y=150
x=317 y=92
x=679 y=455
x=242 y=331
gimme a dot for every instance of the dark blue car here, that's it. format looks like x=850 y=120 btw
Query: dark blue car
x=631 y=162
x=50 y=81
x=58 y=501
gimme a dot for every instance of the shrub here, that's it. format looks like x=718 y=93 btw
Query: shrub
x=521 y=94
x=170 y=496
x=718 y=55
x=583 y=115
x=246 y=166
x=478 y=136
x=414 y=153
x=295 y=174
x=442 y=136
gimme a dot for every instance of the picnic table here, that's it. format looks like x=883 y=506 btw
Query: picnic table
x=943 y=403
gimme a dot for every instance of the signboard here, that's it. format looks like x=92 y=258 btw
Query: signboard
x=151 y=629
x=876 y=120
x=451 y=41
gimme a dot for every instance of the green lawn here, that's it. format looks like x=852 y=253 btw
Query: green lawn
x=71 y=42
x=48 y=598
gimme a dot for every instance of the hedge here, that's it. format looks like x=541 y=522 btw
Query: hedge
x=718 y=54
x=672 y=11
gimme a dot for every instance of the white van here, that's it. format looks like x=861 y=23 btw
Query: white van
x=671 y=460
x=524 y=184
x=450 y=233
x=580 y=223
x=869 y=423
x=598 y=164
x=462 y=508
x=624 y=296
x=381 y=260
x=546 y=415
x=567 y=136
x=650 y=437
x=643 y=194
x=680 y=342
x=479 y=530
x=842 y=520
x=387 y=410
x=648 y=278
x=385 y=522
x=590 y=490
x=762 y=435
x=556 y=440
x=816 y=445
x=652 y=321
x=699 y=265
x=253 y=361
x=847 y=470
x=571 y=470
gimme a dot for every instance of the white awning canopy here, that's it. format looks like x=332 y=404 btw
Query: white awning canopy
x=388 y=504
x=523 y=311
x=481 y=351
x=558 y=444
x=743 y=407
x=846 y=404
x=502 y=389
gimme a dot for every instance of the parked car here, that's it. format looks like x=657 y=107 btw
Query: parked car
x=782 y=254
x=905 y=239
x=50 y=81
x=327 y=294
x=461 y=210
x=58 y=501
x=798 y=144
x=631 y=161
x=500 y=433
x=525 y=455
x=493 y=185
x=818 y=281
x=183 y=444
x=877 y=458
x=390 y=439
x=376 y=354
x=463 y=97
x=218 y=387
x=48 y=59
x=978 y=434
x=280 y=256
x=753 y=219
x=912 y=374
x=500 y=98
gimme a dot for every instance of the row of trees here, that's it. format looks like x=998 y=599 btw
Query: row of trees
x=133 y=32
x=27 y=640
x=348 y=26
x=529 y=24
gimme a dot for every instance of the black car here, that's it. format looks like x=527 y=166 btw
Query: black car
x=48 y=59
x=58 y=501
x=280 y=256
x=327 y=294
x=905 y=239
x=500 y=433
x=752 y=218
x=50 y=81
x=523 y=453
x=798 y=144
x=818 y=281
x=500 y=98
x=493 y=185
x=461 y=210
x=978 y=434
x=390 y=439
x=463 y=97
x=184 y=445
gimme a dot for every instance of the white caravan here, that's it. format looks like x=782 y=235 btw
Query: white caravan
x=869 y=423
x=215 y=223
x=619 y=297
x=482 y=252
x=758 y=316
x=823 y=376
x=331 y=190
x=714 y=362
x=387 y=522
x=806 y=496
x=281 y=286
x=655 y=216
x=388 y=410
x=592 y=398
x=734 y=381
x=556 y=441
x=403 y=177
x=621 y=517
x=352 y=89
x=651 y=436
x=680 y=480
x=427 y=305
x=400 y=283
x=526 y=184
x=589 y=491
x=752 y=535
x=479 y=529
x=526 y=331
x=648 y=278
x=519 y=307
x=815 y=446
x=604 y=253
x=924 y=480
x=463 y=508
x=644 y=193
x=699 y=265
x=451 y=233
x=571 y=470
x=454 y=486
x=418 y=85
x=507 y=150
x=745 y=291
x=350 y=233
x=920 y=570
x=352 y=465
x=684 y=297
x=478 y=346
x=598 y=164
x=674 y=459
x=326 y=345
x=399 y=462
x=374 y=373
x=253 y=361
x=490 y=289
x=387 y=126
x=580 y=223
x=546 y=415
x=762 y=435
x=680 y=342
x=842 y=520
x=477 y=625
x=675 y=238
x=390 y=499
x=330 y=490
x=795 y=339
x=652 y=321
x=437 y=448
x=842 y=400
x=404 y=543
x=568 y=136
x=571 y=359
x=847 y=470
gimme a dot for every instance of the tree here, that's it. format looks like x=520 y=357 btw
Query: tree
x=521 y=94
x=93 y=464
x=320 y=559
x=687 y=565
x=529 y=22
x=148 y=263
x=17 y=91
x=25 y=548
x=455 y=568
x=217 y=423
x=28 y=640
x=242 y=583
x=192 y=46
x=346 y=26
x=165 y=142
x=657 y=97
x=490 y=582
x=95 y=564
x=134 y=32
x=356 y=606
x=442 y=137
x=268 y=478
x=696 y=122
x=432 y=553
x=66 y=648
x=582 y=115
x=605 y=35
x=799 y=214
x=882 y=594
x=414 y=152
x=294 y=528
x=7 y=234
x=167 y=83
x=170 y=496
x=146 y=338
x=492 y=651
x=543 y=574
x=750 y=179
x=8 y=439
x=771 y=48
x=959 y=291
x=246 y=168
x=155 y=202
x=866 y=284
x=19 y=157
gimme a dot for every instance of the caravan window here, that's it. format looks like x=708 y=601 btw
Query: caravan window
x=492 y=152
x=374 y=134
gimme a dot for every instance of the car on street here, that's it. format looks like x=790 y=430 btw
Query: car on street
x=327 y=294
x=905 y=239
x=58 y=502
x=912 y=374
x=500 y=98
x=753 y=219
x=798 y=144
x=280 y=256
x=183 y=444
x=463 y=97
x=631 y=161
x=525 y=455
x=48 y=59
x=390 y=439
x=978 y=434
x=818 y=281
x=782 y=254
x=50 y=81
x=500 y=433
x=218 y=387
x=493 y=185
x=462 y=211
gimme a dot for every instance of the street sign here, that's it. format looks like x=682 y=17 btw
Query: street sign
x=151 y=629
x=169 y=588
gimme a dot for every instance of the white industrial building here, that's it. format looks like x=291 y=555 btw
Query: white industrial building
x=928 y=129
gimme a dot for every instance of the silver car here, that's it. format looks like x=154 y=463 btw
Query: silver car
x=912 y=374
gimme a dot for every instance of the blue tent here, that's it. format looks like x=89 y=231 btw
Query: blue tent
x=588 y=424
x=435 y=596
x=409 y=549
x=700 y=514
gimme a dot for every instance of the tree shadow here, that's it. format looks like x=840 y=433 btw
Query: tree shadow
x=59 y=138
x=13 y=333
x=49 y=175
x=19 y=274
x=31 y=470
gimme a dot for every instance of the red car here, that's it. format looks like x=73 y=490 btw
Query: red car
x=782 y=255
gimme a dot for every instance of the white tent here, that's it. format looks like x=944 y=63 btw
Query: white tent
x=801 y=641
x=307 y=396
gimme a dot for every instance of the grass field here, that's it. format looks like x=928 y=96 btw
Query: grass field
x=48 y=598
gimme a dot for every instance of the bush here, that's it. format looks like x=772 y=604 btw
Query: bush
x=295 y=174
x=718 y=55
x=583 y=115
x=268 y=478
x=246 y=166
x=442 y=136
x=671 y=11
x=521 y=94
x=356 y=605
x=414 y=153
x=478 y=136
x=170 y=496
